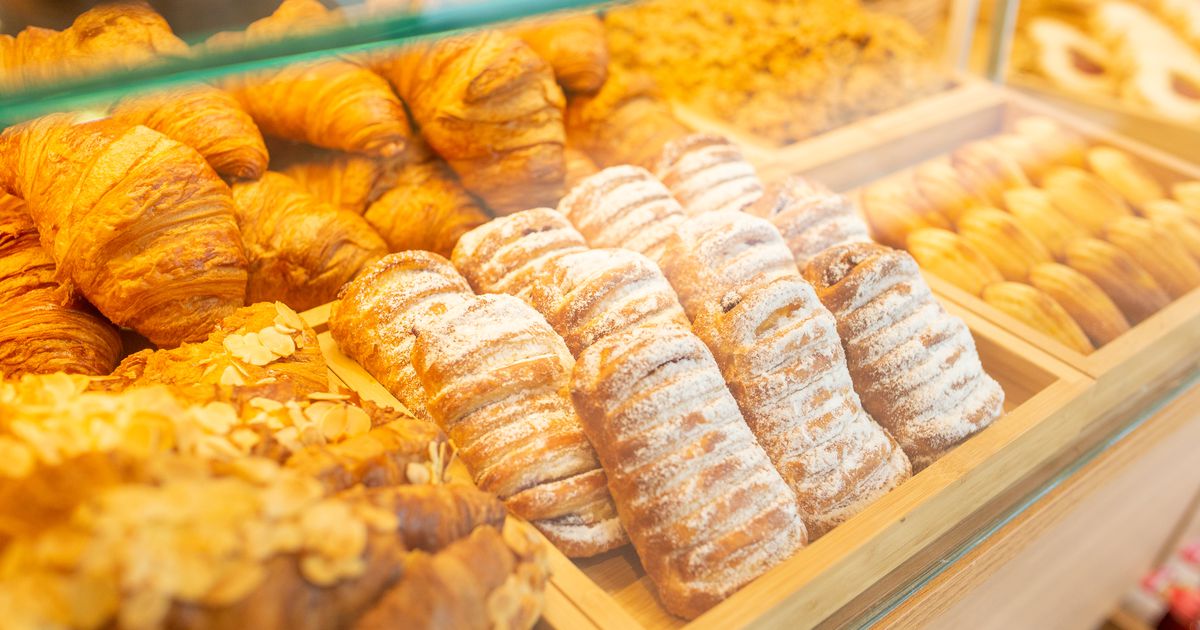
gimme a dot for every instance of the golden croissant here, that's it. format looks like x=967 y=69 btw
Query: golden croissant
x=425 y=209
x=626 y=122
x=490 y=107
x=43 y=328
x=348 y=181
x=139 y=223
x=574 y=46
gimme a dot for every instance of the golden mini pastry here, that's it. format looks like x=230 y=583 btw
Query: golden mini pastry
x=1033 y=159
x=779 y=351
x=1067 y=56
x=425 y=208
x=1158 y=251
x=893 y=208
x=1055 y=144
x=987 y=171
x=809 y=217
x=938 y=182
x=43 y=328
x=914 y=365
x=1084 y=198
x=1188 y=194
x=574 y=46
x=1125 y=175
x=1004 y=241
x=1131 y=287
x=951 y=258
x=626 y=207
x=139 y=223
x=489 y=106
x=707 y=173
x=300 y=250
x=505 y=254
x=671 y=440
x=1172 y=216
x=372 y=321
x=1083 y=300
x=1034 y=210
x=497 y=378
x=1039 y=311
x=626 y=122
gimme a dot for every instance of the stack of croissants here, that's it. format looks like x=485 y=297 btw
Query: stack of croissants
x=1078 y=241
x=648 y=345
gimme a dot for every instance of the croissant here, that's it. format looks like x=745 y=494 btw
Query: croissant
x=914 y=366
x=432 y=517
x=334 y=102
x=707 y=173
x=575 y=48
x=373 y=318
x=400 y=450
x=779 y=351
x=347 y=181
x=626 y=207
x=705 y=509
x=490 y=107
x=207 y=119
x=579 y=166
x=44 y=329
x=809 y=217
x=506 y=254
x=626 y=122
x=496 y=375
x=426 y=208
x=300 y=250
x=139 y=223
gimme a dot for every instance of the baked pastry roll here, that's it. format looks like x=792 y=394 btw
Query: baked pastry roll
x=626 y=207
x=497 y=375
x=348 y=181
x=779 y=351
x=505 y=254
x=426 y=208
x=43 y=328
x=707 y=173
x=987 y=171
x=810 y=217
x=139 y=223
x=626 y=122
x=373 y=318
x=914 y=366
x=300 y=250
x=705 y=509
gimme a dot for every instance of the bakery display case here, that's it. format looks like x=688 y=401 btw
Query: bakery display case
x=576 y=314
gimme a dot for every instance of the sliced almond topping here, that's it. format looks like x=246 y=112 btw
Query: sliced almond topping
x=327 y=396
x=230 y=376
x=417 y=473
x=280 y=344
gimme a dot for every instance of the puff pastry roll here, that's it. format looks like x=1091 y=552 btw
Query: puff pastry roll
x=914 y=365
x=705 y=509
x=779 y=351
x=504 y=254
x=707 y=173
x=626 y=207
x=372 y=320
x=810 y=217
x=497 y=378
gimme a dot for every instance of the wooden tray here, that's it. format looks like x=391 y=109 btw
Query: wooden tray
x=885 y=546
x=1166 y=344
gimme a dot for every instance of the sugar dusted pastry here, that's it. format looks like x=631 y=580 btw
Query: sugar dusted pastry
x=1083 y=300
x=779 y=351
x=497 y=379
x=810 y=217
x=914 y=366
x=1131 y=287
x=590 y=294
x=707 y=173
x=951 y=258
x=705 y=509
x=1039 y=311
x=1035 y=211
x=1129 y=178
x=623 y=206
x=1084 y=198
x=1157 y=251
x=373 y=318
x=1004 y=241
x=504 y=255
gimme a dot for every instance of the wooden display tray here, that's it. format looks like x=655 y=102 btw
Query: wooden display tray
x=884 y=547
x=1166 y=344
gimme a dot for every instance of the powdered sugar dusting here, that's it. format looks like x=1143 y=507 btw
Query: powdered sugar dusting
x=623 y=206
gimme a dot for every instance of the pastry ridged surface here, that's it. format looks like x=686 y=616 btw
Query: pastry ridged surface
x=591 y=294
x=626 y=207
x=504 y=254
x=707 y=173
x=497 y=376
x=372 y=320
x=914 y=365
x=704 y=508
x=809 y=217
x=779 y=351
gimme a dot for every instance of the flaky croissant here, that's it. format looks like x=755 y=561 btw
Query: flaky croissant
x=626 y=122
x=43 y=328
x=490 y=107
x=574 y=46
x=300 y=250
x=348 y=181
x=138 y=222
x=425 y=209
x=333 y=102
